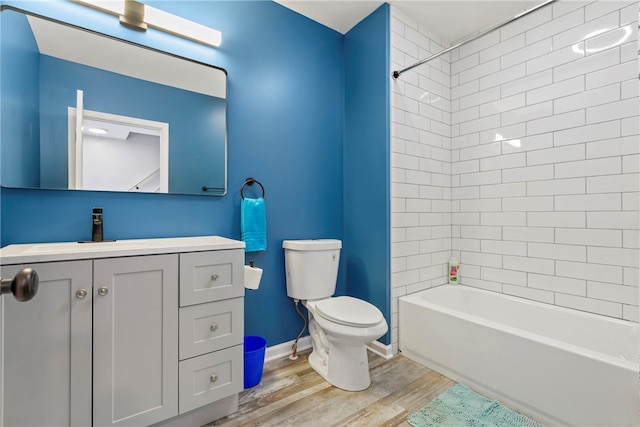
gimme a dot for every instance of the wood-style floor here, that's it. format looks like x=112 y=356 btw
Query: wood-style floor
x=293 y=394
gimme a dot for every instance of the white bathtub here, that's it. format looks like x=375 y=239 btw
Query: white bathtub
x=556 y=365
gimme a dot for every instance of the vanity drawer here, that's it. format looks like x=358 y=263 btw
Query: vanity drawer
x=214 y=376
x=213 y=326
x=211 y=276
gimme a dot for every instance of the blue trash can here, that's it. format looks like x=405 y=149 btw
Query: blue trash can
x=254 y=348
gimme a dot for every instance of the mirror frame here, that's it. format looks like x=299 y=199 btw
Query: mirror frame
x=204 y=190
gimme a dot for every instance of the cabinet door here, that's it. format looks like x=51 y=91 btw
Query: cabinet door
x=135 y=332
x=46 y=349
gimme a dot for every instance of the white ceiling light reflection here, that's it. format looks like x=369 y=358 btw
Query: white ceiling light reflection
x=94 y=130
x=97 y=131
x=512 y=142
x=429 y=98
x=577 y=48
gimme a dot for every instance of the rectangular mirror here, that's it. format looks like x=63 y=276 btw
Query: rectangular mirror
x=82 y=110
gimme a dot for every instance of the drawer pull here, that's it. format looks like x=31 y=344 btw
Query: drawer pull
x=214 y=327
x=81 y=293
x=214 y=378
x=214 y=277
x=102 y=291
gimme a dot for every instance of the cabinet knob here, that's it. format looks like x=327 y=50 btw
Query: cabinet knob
x=214 y=378
x=214 y=277
x=214 y=327
x=102 y=290
x=23 y=286
x=81 y=293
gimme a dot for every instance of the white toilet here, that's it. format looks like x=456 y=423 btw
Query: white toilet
x=340 y=327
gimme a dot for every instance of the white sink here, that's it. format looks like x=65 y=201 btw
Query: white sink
x=81 y=247
x=41 y=252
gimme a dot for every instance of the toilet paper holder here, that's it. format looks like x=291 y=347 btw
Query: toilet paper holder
x=252 y=276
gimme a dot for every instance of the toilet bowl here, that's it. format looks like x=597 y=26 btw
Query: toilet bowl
x=340 y=327
x=339 y=343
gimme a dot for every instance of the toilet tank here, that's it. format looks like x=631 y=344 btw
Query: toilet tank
x=311 y=267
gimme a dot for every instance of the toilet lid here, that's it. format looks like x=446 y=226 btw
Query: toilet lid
x=349 y=311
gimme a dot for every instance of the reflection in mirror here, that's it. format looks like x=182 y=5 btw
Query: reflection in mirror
x=117 y=153
x=165 y=116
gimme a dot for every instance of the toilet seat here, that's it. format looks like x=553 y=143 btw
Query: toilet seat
x=349 y=311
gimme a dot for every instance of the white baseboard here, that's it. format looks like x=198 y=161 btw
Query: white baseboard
x=382 y=350
x=284 y=350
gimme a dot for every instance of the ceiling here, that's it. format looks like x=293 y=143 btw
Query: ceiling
x=453 y=20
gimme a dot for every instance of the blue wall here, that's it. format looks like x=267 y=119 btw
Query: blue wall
x=366 y=161
x=19 y=69
x=285 y=128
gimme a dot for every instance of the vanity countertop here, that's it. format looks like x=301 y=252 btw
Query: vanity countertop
x=65 y=251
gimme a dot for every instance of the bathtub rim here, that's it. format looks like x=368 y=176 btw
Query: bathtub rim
x=542 y=413
x=416 y=299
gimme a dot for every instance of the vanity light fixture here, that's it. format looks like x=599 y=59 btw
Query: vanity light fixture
x=139 y=16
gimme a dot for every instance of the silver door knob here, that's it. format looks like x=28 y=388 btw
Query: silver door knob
x=81 y=293
x=214 y=277
x=23 y=286
x=214 y=327
x=102 y=291
x=213 y=378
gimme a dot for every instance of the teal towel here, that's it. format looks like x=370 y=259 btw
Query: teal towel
x=253 y=224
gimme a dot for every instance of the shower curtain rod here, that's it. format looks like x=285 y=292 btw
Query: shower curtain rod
x=397 y=74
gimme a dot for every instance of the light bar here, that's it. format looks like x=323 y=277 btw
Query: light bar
x=138 y=16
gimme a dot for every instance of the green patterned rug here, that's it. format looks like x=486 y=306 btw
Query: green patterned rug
x=461 y=407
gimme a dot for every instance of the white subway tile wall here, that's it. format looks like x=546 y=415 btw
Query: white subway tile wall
x=421 y=161
x=566 y=235
x=527 y=147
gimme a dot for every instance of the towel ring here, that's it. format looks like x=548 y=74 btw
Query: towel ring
x=250 y=181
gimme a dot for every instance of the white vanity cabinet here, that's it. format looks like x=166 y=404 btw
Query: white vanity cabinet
x=211 y=326
x=46 y=349
x=135 y=340
x=105 y=341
